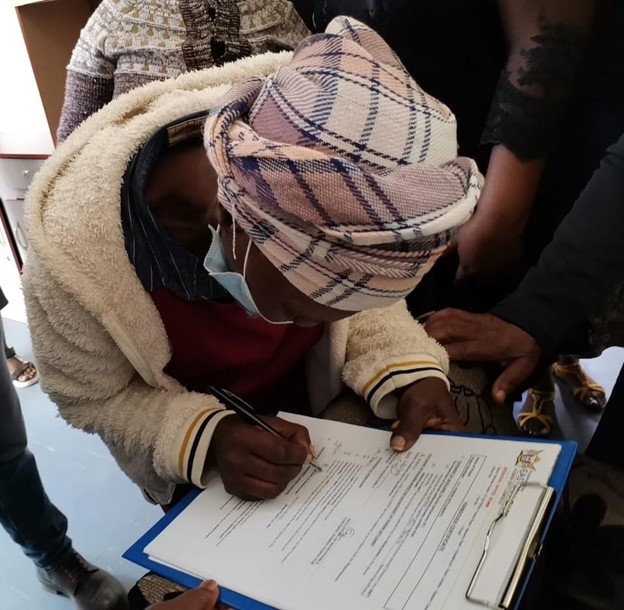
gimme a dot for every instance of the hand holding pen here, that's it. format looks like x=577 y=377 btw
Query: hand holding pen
x=246 y=411
x=256 y=464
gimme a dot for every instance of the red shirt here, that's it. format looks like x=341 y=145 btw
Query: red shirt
x=220 y=344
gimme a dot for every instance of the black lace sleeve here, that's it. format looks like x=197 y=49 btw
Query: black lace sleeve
x=547 y=40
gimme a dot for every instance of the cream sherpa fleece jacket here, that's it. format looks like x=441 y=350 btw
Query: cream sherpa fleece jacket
x=100 y=342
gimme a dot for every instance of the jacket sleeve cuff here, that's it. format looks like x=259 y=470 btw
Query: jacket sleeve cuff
x=379 y=382
x=189 y=454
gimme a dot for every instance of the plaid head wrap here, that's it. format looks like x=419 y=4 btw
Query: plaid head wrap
x=342 y=170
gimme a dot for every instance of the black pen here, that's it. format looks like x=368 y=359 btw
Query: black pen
x=246 y=411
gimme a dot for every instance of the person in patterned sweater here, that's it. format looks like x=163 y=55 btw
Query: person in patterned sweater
x=127 y=43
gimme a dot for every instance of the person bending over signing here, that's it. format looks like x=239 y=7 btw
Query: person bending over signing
x=258 y=237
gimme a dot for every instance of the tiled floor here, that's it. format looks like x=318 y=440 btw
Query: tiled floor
x=106 y=512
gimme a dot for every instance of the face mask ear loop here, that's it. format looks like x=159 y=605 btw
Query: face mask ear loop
x=234 y=216
x=233 y=239
x=249 y=244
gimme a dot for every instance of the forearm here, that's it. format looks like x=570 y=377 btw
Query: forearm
x=90 y=74
x=547 y=40
x=387 y=350
x=98 y=390
x=584 y=260
x=84 y=95
x=174 y=428
x=509 y=190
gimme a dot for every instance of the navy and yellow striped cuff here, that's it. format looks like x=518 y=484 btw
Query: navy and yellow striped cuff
x=378 y=390
x=193 y=450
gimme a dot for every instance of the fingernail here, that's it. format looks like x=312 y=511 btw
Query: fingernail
x=432 y=422
x=309 y=458
x=395 y=425
x=397 y=443
x=211 y=585
x=313 y=452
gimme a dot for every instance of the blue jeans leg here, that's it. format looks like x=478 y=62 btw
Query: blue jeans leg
x=26 y=512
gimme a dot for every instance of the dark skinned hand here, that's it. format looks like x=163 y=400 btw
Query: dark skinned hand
x=483 y=337
x=254 y=464
x=203 y=598
x=425 y=405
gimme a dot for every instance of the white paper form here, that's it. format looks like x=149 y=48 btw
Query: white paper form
x=375 y=530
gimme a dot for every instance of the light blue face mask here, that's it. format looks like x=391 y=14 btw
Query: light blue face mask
x=235 y=283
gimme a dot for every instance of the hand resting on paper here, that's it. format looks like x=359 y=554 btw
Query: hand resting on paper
x=254 y=464
x=203 y=598
x=427 y=404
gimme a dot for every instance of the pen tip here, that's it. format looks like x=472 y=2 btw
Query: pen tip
x=316 y=466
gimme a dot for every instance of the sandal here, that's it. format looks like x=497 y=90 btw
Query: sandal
x=153 y=589
x=538 y=402
x=587 y=392
x=20 y=370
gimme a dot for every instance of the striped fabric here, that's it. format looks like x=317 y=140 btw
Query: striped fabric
x=342 y=170
x=194 y=446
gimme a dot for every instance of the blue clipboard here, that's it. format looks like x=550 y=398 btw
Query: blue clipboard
x=136 y=553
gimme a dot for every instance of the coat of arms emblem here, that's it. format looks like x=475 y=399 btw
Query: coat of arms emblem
x=527 y=459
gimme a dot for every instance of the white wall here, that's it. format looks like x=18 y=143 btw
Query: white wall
x=23 y=125
x=11 y=282
x=23 y=130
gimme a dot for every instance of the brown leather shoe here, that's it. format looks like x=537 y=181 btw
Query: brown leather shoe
x=85 y=584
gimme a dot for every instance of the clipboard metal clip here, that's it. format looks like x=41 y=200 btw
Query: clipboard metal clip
x=531 y=546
